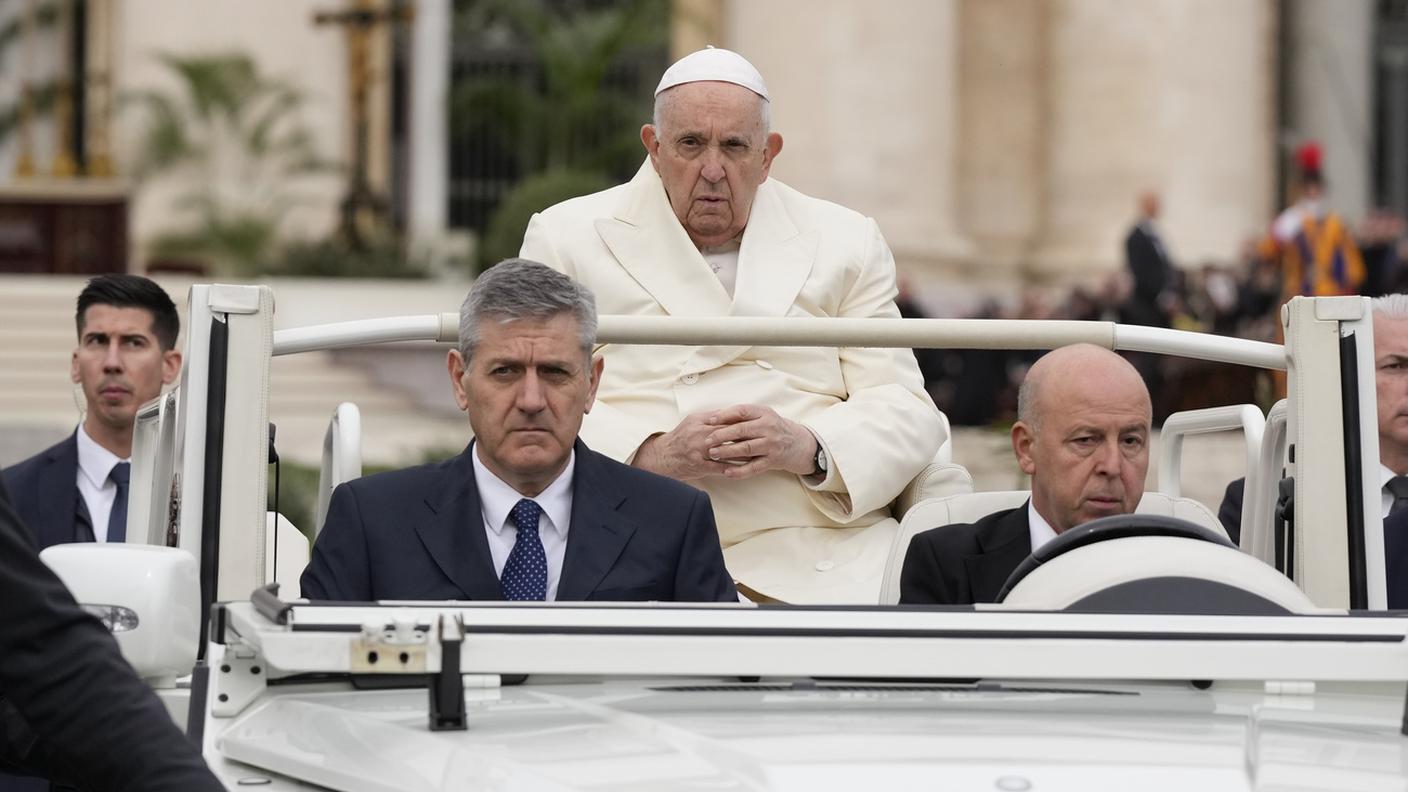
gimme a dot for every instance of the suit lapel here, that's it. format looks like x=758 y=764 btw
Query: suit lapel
x=64 y=515
x=453 y=533
x=649 y=243
x=598 y=534
x=775 y=258
x=1005 y=544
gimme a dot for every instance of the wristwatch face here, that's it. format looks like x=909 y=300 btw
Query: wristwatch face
x=820 y=459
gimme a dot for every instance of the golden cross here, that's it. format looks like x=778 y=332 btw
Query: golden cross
x=362 y=207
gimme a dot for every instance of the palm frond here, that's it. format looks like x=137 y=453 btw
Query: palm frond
x=46 y=16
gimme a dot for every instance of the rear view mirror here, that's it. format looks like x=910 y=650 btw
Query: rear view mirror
x=147 y=596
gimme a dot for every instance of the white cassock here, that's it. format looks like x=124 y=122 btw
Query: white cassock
x=783 y=536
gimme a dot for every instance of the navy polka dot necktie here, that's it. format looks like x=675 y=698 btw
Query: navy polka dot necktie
x=525 y=575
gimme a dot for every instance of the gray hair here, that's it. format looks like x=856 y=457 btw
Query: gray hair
x=662 y=99
x=517 y=288
x=1390 y=306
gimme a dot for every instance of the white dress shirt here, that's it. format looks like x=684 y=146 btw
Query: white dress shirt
x=497 y=499
x=1041 y=530
x=1386 y=497
x=95 y=463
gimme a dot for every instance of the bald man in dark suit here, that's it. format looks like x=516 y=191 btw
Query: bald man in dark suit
x=1082 y=434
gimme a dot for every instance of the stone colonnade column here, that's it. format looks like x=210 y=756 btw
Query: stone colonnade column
x=867 y=103
x=1330 y=47
x=428 y=183
x=1001 y=135
x=1177 y=98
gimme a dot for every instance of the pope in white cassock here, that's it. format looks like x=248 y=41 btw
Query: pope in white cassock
x=801 y=449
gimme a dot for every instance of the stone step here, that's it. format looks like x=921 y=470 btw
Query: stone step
x=45 y=336
x=41 y=401
x=50 y=373
x=37 y=381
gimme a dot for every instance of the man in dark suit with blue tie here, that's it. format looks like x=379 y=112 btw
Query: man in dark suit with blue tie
x=76 y=491
x=527 y=511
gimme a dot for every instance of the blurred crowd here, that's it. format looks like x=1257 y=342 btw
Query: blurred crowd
x=1237 y=298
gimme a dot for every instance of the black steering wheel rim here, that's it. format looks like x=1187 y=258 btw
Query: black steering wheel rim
x=1118 y=526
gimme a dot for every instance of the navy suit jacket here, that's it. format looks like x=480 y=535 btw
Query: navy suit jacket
x=46 y=497
x=965 y=563
x=1396 y=559
x=418 y=534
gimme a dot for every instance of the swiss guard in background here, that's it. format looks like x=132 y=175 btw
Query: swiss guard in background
x=1318 y=256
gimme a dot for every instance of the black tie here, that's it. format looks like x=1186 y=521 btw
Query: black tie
x=117 y=518
x=1398 y=488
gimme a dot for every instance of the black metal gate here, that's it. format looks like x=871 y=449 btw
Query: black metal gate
x=502 y=52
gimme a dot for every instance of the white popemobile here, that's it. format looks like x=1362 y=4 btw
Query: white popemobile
x=1142 y=652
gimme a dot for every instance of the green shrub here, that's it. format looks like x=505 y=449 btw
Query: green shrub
x=504 y=236
x=334 y=258
x=298 y=486
x=298 y=494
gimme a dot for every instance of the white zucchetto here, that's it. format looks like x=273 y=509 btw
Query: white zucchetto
x=714 y=65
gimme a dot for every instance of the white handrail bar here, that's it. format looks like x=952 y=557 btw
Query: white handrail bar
x=362 y=332
x=342 y=457
x=736 y=640
x=1211 y=419
x=790 y=331
x=1258 y=500
x=1200 y=346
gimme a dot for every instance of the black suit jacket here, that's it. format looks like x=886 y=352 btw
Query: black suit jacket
x=70 y=707
x=1150 y=270
x=1396 y=558
x=418 y=534
x=1229 y=512
x=46 y=495
x=965 y=563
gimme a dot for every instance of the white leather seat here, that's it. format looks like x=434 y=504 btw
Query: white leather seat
x=940 y=478
x=1182 y=508
x=973 y=506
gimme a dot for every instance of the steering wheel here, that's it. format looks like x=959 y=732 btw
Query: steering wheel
x=1118 y=526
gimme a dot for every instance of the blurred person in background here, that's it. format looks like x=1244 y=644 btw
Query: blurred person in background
x=1311 y=241
x=1149 y=267
x=1381 y=236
